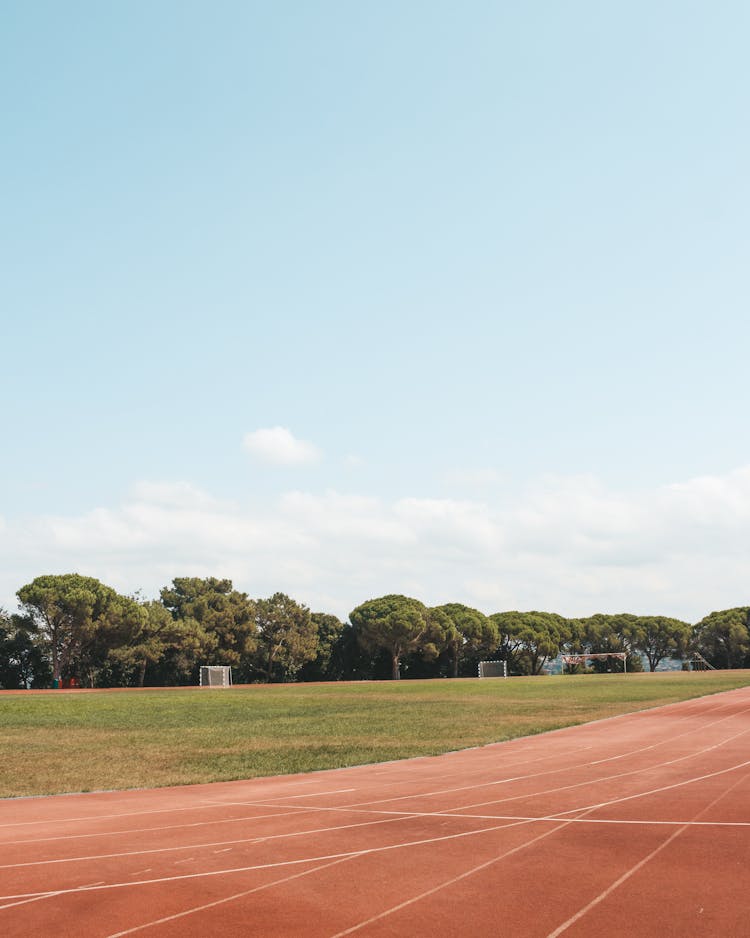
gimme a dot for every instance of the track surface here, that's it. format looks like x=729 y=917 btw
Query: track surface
x=637 y=825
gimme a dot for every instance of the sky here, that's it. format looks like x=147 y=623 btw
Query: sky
x=351 y=299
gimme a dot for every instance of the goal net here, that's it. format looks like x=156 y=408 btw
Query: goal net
x=493 y=669
x=215 y=676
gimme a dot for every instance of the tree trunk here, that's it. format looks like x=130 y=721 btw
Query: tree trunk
x=454 y=668
x=55 y=663
x=395 y=672
x=142 y=673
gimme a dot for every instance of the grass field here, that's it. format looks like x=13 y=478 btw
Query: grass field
x=123 y=739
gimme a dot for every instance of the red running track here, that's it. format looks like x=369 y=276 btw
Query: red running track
x=637 y=825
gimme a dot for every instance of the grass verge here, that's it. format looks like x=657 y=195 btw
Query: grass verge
x=110 y=740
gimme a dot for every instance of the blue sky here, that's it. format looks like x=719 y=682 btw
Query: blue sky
x=490 y=261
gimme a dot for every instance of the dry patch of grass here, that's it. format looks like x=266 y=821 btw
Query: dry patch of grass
x=82 y=742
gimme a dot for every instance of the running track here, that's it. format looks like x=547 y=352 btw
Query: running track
x=637 y=825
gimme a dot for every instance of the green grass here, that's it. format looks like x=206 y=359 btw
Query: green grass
x=103 y=740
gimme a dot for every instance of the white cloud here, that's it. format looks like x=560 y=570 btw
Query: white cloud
x=566 y=544
x=279 y=447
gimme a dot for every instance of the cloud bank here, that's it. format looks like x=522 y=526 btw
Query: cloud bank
x=567 y=544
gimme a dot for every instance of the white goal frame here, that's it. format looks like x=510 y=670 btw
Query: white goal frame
x=492 y=669
x=583 y=657
x=215 y=675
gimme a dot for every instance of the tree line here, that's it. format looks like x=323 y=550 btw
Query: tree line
x=75 y=629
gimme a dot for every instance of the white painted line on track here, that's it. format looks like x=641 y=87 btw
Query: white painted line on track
x=203 y=805
x=655 y=791
x=238 y=895
x=167 y=827
x=266 y=866
x=400 y=815
x=634 y=869
x=312 y=794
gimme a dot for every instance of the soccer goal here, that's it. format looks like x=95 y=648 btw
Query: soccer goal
x=493 y=669
x=582 y=658
x=215 y=676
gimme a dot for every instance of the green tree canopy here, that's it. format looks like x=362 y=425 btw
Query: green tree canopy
x=287 y=636
x=659 y=637
x=529 y=639
x=329 y=631
x=465 y=630
x=148 y=633
x=219 y=620
x=723 y=637
x=66 y=610
x=394 y=622
x=23 y=664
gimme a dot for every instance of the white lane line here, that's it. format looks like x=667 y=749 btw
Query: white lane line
x=312 y=794
x=546 y=818
x=219 y=843
x=107 y=817
x=166 y=827
x=655 y=791
x=634 y=869
x=267 y=866
x=204 y=805
x=237 y=895
x=36 y=898
x=614 y=822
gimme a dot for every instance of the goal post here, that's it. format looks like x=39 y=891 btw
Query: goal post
x=493 y=669
x=215 y=676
